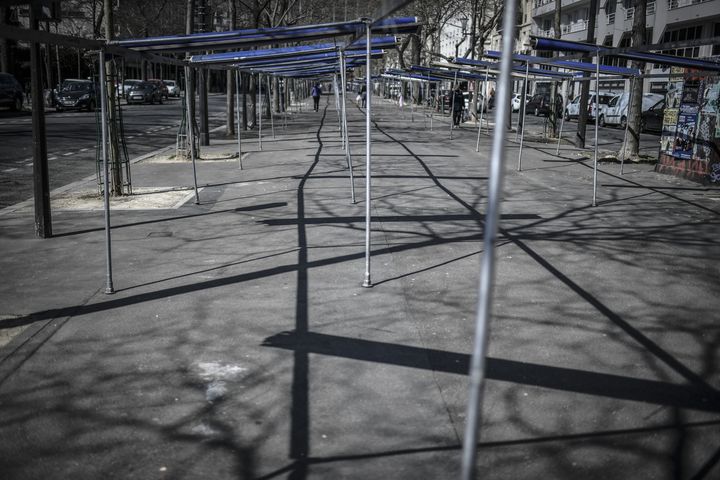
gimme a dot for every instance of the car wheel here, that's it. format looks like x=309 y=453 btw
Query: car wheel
x=537 y=112
x=161 y=100
x=642 y=124
x=91 y=107
x=567 y=116
x=602 y=121
x=623 y=122
x=58 y=109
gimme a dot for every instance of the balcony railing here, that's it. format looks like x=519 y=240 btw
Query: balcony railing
x=575 y=27
x=629 y=13
x=650 y=9
x=610 y=18
x=547 y=33
x=673 y=4
x=540 y=3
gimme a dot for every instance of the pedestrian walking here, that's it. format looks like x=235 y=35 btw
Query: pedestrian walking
x=458 y=106
x=316 y=92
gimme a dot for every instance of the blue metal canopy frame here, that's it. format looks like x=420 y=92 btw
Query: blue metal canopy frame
x=542 y=43
x=569 y=65
x=262 y=36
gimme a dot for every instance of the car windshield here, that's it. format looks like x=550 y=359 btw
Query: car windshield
x=142 y=86
x=75 y=87
x=604 y=99
x=170 y=83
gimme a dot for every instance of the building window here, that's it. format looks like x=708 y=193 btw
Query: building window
x=716 y=48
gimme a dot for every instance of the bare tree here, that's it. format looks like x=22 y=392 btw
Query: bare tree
x=554 y=108
x=585 y=87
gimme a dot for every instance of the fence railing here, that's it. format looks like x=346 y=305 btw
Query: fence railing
x=610 y=18
x=673 y=4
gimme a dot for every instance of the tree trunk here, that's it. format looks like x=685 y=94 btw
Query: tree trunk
x=585 y=88
x=552 y=116
x=4 y=47
x=116 y=172
x=634 y=114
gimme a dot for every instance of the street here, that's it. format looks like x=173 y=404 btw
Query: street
x=72 y=139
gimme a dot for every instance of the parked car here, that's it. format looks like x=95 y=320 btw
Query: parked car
x=539 y=104
x=173 y=88
x=616 y=111
x=516 y=101
x=76 y=94
x=161 y=86
x=572 y=110
x=651 y=120
x=11 y=92
x=144 y=92
x=128 y=84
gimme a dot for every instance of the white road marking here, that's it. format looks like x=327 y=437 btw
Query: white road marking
x=84 y=149
x=9 y=170
x=52 y=158
x=68 y=154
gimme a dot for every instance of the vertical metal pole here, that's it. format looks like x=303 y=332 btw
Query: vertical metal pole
x=627 y=123
x=597 y=122
x=487 y=267
x=522 y=116
x=482 y=108
x=106 y=173
x=368 y=157
x=41 y=173
x=271 y=103
x=191 y=130
x=260 y=109
x=562 y=117
x=452 y=105
x=237 y=111
x=348 y=153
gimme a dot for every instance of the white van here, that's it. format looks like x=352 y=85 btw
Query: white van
x=572 y=110
x=615 y=113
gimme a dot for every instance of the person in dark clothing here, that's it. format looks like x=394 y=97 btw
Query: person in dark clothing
x=316 y=92
x=458 y=105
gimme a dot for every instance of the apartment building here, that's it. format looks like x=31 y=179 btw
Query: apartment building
x=666 y=20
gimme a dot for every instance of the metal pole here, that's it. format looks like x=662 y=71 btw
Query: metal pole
x=237 y=111
x=452 y=105
x=627 y=123
x=562 y=117
x=487 y=267
x=270 y=106
x=348 y=153
x=522 y=116
x=482 y=107
x=106 y=173
x=191 y=131
x=260 y=112
x=368 y=156
x=597 y=122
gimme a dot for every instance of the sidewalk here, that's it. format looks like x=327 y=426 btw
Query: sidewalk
x=241 y=345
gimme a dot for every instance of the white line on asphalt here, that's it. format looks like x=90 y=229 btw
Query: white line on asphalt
x=131 y=136
x=84 y=149
x=52 y=158
x=67 y=154
x=9 y=170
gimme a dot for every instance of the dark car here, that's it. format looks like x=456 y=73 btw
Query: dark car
x=539 y=104
x=652 y=118
x=144 y=92
x=76 y=94
x=11 y=92
x=161 y=86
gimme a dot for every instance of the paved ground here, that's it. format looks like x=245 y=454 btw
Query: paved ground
x=240 y=344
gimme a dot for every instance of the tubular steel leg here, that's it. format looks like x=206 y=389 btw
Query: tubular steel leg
x=260 y=112
x=348 y=153
x=106 y=172
x=627 y=116
x=521 y=120
x=597 y=121
x=270 y=105
x=452 y=105
x=368 y=157
x=562 y=120
x=487 y=268
x=482 y=108
x=237 y=110
x=191 y=133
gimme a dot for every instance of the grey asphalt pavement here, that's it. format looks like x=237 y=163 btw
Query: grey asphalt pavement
x=241 y=345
